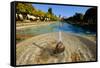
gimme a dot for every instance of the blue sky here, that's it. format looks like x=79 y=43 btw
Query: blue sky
x=65 y=11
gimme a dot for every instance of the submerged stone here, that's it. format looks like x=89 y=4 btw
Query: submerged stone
x=59 y=48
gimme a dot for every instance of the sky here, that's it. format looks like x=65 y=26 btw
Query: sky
x=64 y=11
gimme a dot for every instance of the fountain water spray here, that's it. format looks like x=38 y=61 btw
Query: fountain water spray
x=59 y=47
x=60 y=37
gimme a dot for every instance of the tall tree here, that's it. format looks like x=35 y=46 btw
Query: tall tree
x=24 y=8
x=50 y=10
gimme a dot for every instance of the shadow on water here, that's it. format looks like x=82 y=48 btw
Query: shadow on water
x=44 y=49
x=39 y=46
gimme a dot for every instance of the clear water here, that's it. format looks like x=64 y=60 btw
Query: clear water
x=54 y=27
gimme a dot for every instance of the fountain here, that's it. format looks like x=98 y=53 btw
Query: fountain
x=59 y=47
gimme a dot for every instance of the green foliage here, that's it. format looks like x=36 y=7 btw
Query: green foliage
x=50 y=10
x=41 y=13
x=78 y=17
x=25 y=8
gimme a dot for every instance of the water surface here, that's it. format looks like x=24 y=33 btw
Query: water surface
x=55 y=27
